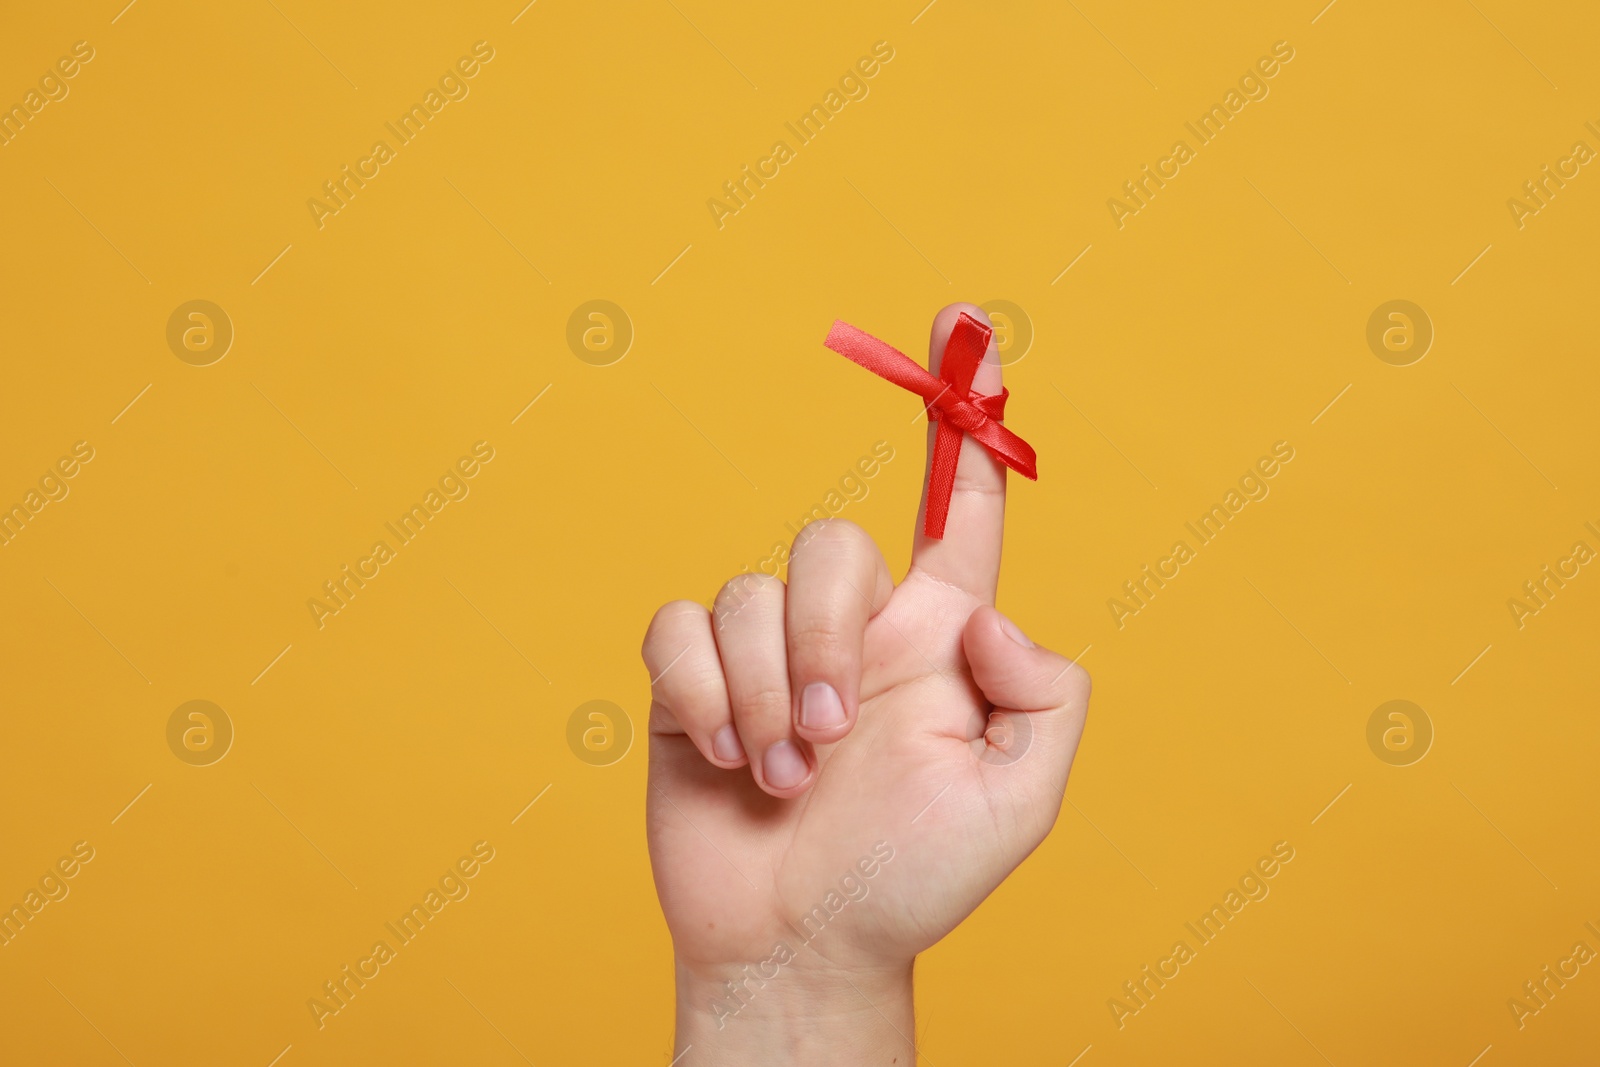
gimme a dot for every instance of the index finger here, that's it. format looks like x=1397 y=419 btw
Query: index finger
x=969 y=554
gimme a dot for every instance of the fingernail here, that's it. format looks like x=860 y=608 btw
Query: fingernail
x=820 y=707
x=725 y=745
x=1015 y=634
x=783 y=766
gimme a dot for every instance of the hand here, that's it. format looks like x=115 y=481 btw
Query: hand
x=841 y=771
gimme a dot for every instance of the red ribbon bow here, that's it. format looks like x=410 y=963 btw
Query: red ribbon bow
x=950 y=402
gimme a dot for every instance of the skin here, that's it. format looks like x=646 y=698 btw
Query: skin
x=948 y=749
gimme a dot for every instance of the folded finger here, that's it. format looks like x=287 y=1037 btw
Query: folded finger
x=837 y=581
x=749 y=628
x=689 y=695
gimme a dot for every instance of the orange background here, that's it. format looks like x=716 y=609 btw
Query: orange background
x=370 y=354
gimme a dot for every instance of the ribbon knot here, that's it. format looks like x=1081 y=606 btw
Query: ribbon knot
x=972 y=414
x=948 y=400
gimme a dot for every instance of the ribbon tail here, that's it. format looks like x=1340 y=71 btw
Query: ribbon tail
x=883 y=360
x=941 y=478
x=1008 y=448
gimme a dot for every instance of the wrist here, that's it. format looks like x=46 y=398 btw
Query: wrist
x=786 y=1011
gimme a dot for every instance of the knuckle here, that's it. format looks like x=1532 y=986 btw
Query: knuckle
x=836 y=535
x=822 y=641
x=741 y=589
x=668 y=617
x=764 y=704
x=696 y=697
x=978 y=483
x=1077 y=685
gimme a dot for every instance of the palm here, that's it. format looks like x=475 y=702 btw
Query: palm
x=740 y=870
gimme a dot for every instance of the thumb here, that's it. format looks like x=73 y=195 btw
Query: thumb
x=1040 y=700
